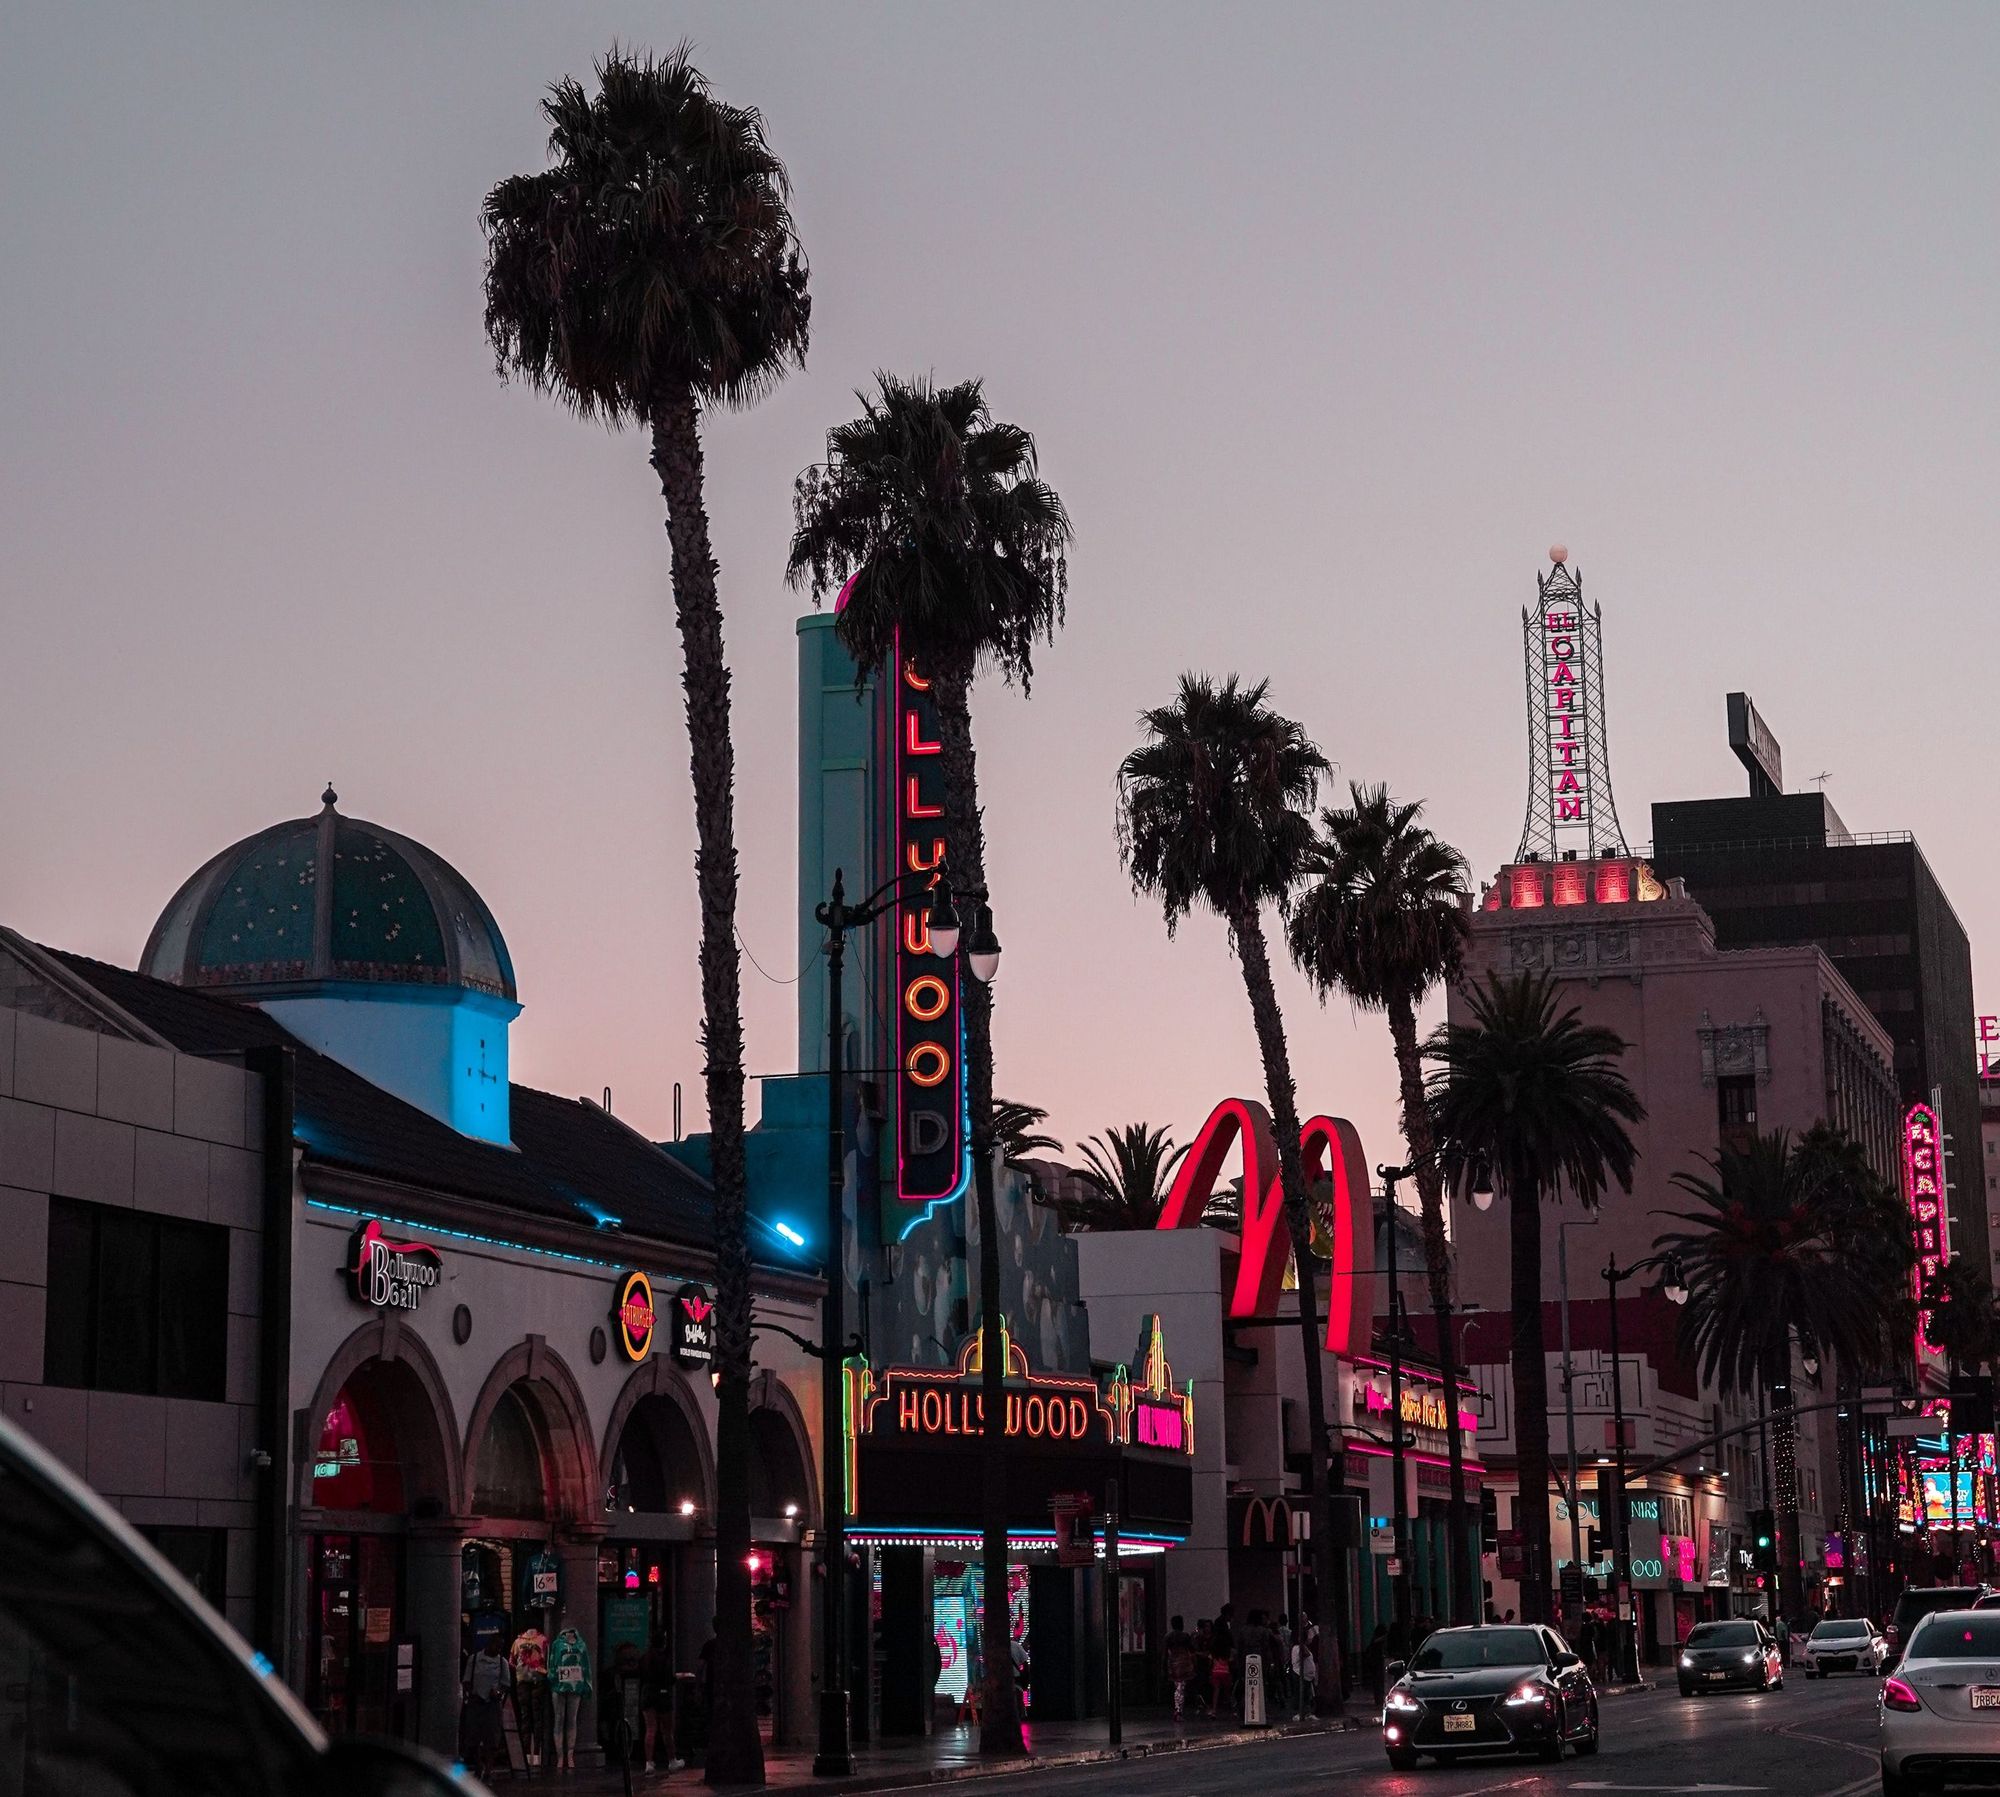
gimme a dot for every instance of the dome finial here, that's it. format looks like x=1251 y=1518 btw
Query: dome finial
x=329 y=798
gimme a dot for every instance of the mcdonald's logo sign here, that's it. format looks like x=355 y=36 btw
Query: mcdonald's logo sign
x=1332 y=1152
x=1272 y=1522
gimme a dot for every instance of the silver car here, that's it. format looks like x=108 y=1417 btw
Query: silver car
x=1941 y=1706
x=1843 y=1644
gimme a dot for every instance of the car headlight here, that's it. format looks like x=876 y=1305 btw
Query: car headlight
x=1402 y=1703
x=1687 y=1659
x=1534 y=1691
x=1750 y=1659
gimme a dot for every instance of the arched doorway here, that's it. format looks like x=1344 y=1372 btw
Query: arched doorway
x=781 y=1505
x=379 y=1459
x=530 y=1473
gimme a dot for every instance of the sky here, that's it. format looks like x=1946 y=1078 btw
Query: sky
x=1327 y=321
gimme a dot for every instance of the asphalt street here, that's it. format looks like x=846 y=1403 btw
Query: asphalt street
x=1808 y=1740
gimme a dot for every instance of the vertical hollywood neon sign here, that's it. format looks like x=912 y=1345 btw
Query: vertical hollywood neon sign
x=1930 y=1225
x=929 y=1048
x=1566 y=740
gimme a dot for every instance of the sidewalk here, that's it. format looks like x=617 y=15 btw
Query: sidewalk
x=953 y=1754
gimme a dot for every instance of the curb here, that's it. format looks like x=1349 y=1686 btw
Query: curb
x=1631 y=1690
x=916 y=1777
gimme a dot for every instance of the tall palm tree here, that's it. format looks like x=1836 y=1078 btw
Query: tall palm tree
x=1381 y=916
x=1531 y=1094
x=1126 y=1175
x=649 y=274
x=1767 y=1266
x=1214 y=809
x=957 y=550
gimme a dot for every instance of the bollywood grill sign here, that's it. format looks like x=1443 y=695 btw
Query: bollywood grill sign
x=386 y=1274
x=1333 y=1158
x=931 y=1144
x=1930 y=1224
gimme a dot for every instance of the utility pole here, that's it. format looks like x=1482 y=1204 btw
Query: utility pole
x=1399 y=1584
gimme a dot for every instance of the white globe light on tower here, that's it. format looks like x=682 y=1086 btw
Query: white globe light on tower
x=1558 y=553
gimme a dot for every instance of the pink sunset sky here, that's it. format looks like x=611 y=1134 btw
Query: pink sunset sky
x=1328 y=321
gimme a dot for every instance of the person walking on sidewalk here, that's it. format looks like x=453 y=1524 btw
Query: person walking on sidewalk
x=1305 y=1675
x=1180 y=1665
x=486 y=1678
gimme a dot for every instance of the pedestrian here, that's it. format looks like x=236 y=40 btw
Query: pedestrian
x=1305 y=1677
x=1282 y=1630
x=1180 y=1665
x=1375 y=1659
x=706 y=1659
x=486 y=1678
x=1784 y=1634
x=1223 y=1642
x=1586 y=1641
x=1204 y=1665
x=656 y=1704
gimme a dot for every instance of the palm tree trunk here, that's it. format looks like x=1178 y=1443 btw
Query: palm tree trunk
x=965 y=862
x=1250 y=947
x=1437 y=1271
x=1531 y=1397
x=735 y=1750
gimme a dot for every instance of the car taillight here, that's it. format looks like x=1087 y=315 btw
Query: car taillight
x=1898 y=1696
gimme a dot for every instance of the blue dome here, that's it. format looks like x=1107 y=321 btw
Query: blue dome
x=328 y=898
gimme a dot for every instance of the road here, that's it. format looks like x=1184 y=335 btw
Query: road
x=1808 y=1740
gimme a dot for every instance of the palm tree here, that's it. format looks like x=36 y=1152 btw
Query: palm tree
x=652 y=272
x=1531 y=1095
x=1126 y=1175
x=1214 y=810
x=1017 y=1130
x=1382 y=917
x=956 y=549
x=1767 y=1263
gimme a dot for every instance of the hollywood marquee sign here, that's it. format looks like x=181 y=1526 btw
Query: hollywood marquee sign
x=1930 y=1223
x=931 y=1133
x=1152 y=1412
x=1332 y=1152
x=932 y=1404
x=389 y=1275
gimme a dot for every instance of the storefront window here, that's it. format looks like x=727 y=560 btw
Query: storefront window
x=355 y=1465
x=355 y=1614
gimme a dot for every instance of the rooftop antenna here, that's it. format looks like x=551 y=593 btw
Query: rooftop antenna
x=1820 y=779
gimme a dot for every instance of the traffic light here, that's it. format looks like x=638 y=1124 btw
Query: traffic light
x=1764 y=1541
x=1593 y=1543
x=1489 y=1521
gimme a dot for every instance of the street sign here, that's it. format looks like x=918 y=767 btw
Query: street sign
x=1395 y=1567
x=1911 y=1427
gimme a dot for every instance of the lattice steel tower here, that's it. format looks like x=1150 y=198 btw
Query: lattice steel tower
x=1570 y=808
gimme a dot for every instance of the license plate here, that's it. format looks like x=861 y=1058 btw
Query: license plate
x=1715 y=1675
x=1464 y=1725
x=1986 y=1697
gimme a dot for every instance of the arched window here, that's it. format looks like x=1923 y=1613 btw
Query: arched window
x=358 y=1464
x=510 y=1479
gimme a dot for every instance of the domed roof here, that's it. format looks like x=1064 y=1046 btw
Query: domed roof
x=328 y=898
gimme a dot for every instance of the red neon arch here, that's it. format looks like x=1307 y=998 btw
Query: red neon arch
x=1332 y=1149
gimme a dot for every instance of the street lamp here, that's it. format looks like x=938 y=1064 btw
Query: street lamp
x=835 y=1757
x=1673 y=1286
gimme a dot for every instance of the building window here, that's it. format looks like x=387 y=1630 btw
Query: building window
x=1736 y=1106
x=136 y=1302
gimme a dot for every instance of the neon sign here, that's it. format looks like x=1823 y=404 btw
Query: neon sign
x=1923 y=1191
x=633 y=1311
x=691 y=1328
x=1154 y=1413
x=926 y=1403
x=930 y=1074
x=390 y=1275
x=1332 y=1152
x=1989 y=1042
x=1570 y=809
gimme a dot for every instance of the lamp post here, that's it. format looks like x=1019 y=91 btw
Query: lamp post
x=1399 y=1585
x=1569 y=1412
x=1674 y=1285
x=835 y=1755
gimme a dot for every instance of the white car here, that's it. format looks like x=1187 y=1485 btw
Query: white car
x=1843 y=1644
x=1941 y=1706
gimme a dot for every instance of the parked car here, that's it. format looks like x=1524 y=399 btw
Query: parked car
x=1717 y=1655
x=1940 y=1715
x=116 y=1677
x=1919 y=1601
x=1490 y=1689
x=1843 y=1644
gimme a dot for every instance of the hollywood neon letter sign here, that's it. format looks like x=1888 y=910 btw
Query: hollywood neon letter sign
x=929 y=1059
x=1332 y=1152
x=1923 y=1190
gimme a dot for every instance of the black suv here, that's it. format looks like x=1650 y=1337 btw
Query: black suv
x=1919 y=1601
